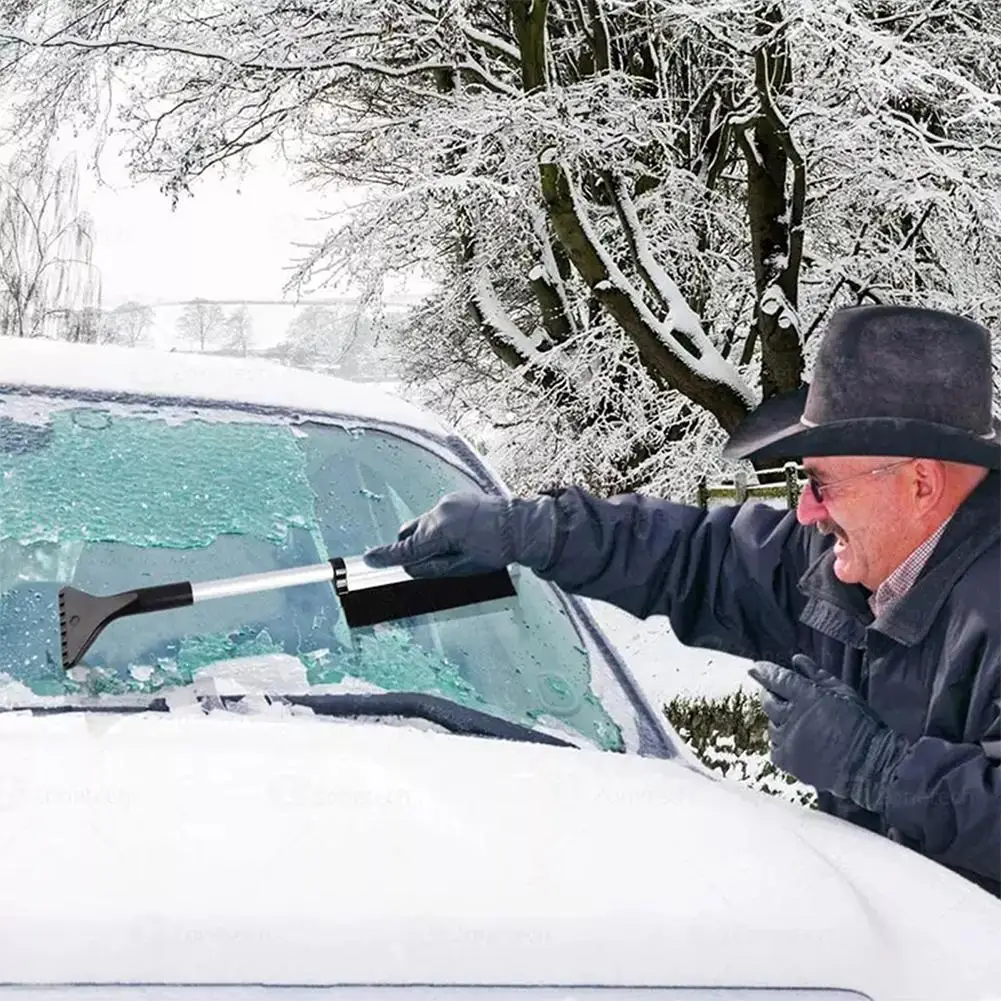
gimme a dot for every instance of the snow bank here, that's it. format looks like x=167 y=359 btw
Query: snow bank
x=662 y=666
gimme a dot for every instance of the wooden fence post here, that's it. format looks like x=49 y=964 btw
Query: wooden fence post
x=703 y=493
x=740 y=486
x=792 y=484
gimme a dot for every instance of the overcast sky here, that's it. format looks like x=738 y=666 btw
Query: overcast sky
x=232 y=240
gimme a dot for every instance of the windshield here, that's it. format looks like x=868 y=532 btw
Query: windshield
x=111 y=496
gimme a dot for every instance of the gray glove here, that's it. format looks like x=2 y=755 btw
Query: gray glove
x=469 y=533
x=822 y=732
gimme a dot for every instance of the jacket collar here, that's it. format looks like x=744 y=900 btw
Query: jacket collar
x=840 y=610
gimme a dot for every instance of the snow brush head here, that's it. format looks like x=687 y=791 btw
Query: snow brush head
x=82 y=616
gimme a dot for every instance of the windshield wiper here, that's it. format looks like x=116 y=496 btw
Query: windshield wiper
x=452 y=716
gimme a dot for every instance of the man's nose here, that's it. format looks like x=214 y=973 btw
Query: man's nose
x=808 y=509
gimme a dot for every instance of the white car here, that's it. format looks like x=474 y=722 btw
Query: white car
x=247 y=792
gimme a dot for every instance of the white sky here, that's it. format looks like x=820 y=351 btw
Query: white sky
x=232 y=240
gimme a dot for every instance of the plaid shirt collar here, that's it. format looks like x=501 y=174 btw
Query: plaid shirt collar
x=902 y=579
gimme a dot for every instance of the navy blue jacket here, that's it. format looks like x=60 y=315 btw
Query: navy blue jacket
x=753 y=582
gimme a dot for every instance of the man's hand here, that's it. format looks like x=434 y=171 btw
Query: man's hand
x=822 y=732
x=468 y=533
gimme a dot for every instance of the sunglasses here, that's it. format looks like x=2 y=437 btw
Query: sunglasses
x=818 y=489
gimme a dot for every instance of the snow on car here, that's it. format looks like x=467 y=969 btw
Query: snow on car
x=216 y=795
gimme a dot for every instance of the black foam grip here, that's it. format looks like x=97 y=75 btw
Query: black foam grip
x=420 y=596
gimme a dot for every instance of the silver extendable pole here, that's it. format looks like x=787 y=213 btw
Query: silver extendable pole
x=318 y=573
x=359 y=577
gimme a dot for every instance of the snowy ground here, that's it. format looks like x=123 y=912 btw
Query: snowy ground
x=662 y=666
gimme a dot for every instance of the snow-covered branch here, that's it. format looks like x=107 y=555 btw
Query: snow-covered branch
x=493 y=313
x=255 y=64
x=710 y=365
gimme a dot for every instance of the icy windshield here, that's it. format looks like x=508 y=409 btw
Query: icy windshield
x=113 y=496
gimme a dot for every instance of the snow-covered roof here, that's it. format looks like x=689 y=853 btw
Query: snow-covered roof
x=104 y=368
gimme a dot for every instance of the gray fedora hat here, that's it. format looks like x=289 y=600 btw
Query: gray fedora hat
x=888 y=380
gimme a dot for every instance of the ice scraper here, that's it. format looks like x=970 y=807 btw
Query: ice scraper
x=368 y=596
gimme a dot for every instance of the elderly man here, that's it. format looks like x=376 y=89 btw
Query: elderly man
x=873 y=611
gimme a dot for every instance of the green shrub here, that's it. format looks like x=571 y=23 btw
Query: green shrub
x=730 y=736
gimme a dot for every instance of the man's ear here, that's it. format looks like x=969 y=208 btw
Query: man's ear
x=929 y=483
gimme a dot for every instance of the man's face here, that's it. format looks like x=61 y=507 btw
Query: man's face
x=865 y=514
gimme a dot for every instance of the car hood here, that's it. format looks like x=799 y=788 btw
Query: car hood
x=293 y=850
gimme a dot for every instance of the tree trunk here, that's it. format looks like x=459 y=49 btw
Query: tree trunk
x=775 y=217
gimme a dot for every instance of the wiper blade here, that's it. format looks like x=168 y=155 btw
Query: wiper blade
x=417 y=705
x=452 y=716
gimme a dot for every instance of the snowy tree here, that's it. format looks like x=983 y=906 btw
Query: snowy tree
x=200 y=322
x=128 y=324
x=375 y=338
x=316 y=339
x=48 y=282
x=82 y=326
x=637 y=213
x=239 y=331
